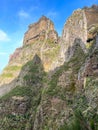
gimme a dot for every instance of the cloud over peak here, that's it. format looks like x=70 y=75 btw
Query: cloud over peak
x=23 y=14
x=3 y=36
x=3 y=53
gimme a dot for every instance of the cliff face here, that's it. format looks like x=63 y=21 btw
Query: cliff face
x=81 y=25
x=91 y=15
x=40 y=31
x=48 y=78
x=40 y=36
x=41 y=39
x=75 y=28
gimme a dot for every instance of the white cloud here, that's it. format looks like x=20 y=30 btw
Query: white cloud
x=23 y=14
x=20 y=41
x=3 y=36
x=52 y=14
x=3 y=53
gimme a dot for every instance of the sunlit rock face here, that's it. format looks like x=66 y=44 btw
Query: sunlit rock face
x=82 y=25
x=74 y=28
x=48 y=79
x=91 y=15
x=42 y=30
x=41 y=39
x=92 y=20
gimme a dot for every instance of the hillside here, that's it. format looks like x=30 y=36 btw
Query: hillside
x=51 y=82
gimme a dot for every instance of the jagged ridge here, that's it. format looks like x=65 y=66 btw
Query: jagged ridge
x=44 y=100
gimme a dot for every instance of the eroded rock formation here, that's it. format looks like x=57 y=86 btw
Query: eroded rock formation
x=49 y=79
x=40 y=31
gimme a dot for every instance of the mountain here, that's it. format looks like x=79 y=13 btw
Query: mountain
x=51 y=82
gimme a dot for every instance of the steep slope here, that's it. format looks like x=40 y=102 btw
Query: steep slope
x=59 y=97
x=51 y=78
x=18 y=107
x=40 y=39
x=83 y=25
x=75 y=28
x=42 y=30
x=42 y=102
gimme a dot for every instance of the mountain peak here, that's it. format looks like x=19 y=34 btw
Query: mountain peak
x=43 y=17
x=91 y=15
x=40 y=31
x=51 y=81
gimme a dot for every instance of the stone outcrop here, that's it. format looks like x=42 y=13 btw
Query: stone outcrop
x=83 y=25
x=91 y=15
x=16 y=54
x=40 y=31
x=92 y=21
x=74 y=28
x=45 y=44
x=47 y=79
x=42 y=39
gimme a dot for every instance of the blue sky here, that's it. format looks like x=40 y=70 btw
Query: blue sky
x=16 y=15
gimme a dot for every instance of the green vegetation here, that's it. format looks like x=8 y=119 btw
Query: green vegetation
x=51 y=99
x=94 y=29
x=52 y=50
x=51 y=43
x=54 y=89
x=73 y=65
x=35 y=73
x=52 y=53
x=90 y=44
x=28 y=95
x=80 y=123
x=9 y=71
x=7 y=75
x=12 y=68
x=18 y=91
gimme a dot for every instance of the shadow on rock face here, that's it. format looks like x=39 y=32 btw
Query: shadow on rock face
x=22 y=96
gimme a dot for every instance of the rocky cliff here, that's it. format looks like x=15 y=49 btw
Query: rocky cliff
x=75 y=28
x=51 y=83
x=40 y=31
x=82 y=25
x=41 y=39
